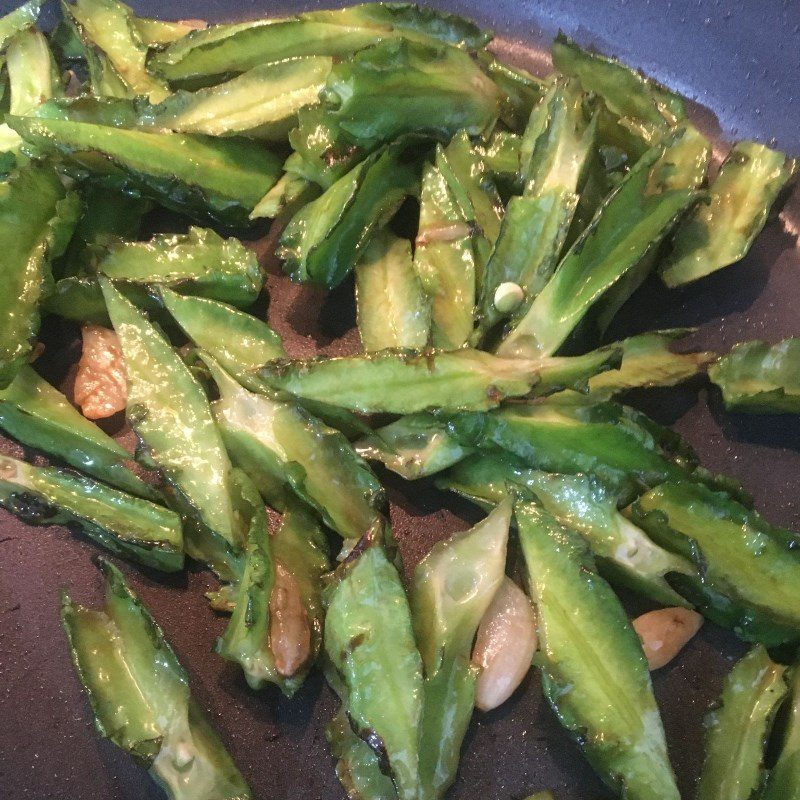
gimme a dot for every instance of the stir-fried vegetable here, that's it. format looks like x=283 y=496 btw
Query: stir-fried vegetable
x=325 y=239
x=452 y=588
x=749 y=568
x=444 y=259
x=276 y=629
x=783 y=781
x=106 y=27
x=570 y=434
x=33 y=78
x=647 y=362
x=279 y=444
x=38 y=415
x=19 y=19
x=624 y=553
x=238 y=47
x=738 y=729
x=759 y=378
x=220 y=179
x=392 y=308
x=721 y=232
x=415 y=446
x=37 y=217
x=262 y=103
x=404 y=381
x=640 y=108
x=123 y=524
x=140 y=695
x=396 y=88
x=631 y=223
x=495 y=225
x=182 y=442
x=594 y=673
x=374 y=663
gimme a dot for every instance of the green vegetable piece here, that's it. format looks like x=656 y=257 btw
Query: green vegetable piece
x=414 y=446
x=783 y=780
x=18 y=20
x=242 y=343
x=276 y=442
x=33 y=78
x=262 y=103
x=560 y=137
x=116 y=112
x=181 y=440
x=522 y=90
x=501 y=157
x=239 y=341
x=643 y=107
x=376 y=668
x=108 y=217
x=721 y=232
x=526 y=253
x=451 y=590
x=103 y=78
x=38 y=415
x=625 y=555
x=445 y=261
x=357 y=766
x=299 y=546
x=405 y=381
x=231 y=48
x=288 y=195
x=326 y=238
x=140 y=695
x=388 y=91
x=419 y=23
x=127 y=526
x=648 y=362
x=473 y=192
x=402 y=87
x=737 y=731
x=630 y=224
x=750 y=568
x=393 y=311
x=159 y=33
x=81 y=299
x=554 y=154
x=683 y=166
x=571 y=434
x=220 y=179
x=758 y=378
x=199 y=262
x=594 y=673
x=36 y=218
x=237 y=48
x=108 y=26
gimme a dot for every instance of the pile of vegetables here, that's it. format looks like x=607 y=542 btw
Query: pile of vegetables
x=492 y=224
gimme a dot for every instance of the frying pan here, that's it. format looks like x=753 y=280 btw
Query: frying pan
x=741 y=61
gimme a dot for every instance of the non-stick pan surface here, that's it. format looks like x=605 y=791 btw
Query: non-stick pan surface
x=739 y=59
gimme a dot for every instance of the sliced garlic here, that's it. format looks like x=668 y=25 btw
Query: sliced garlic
x=504 y=646
x=289 y=631
x=665 y=632
x=101 y=388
